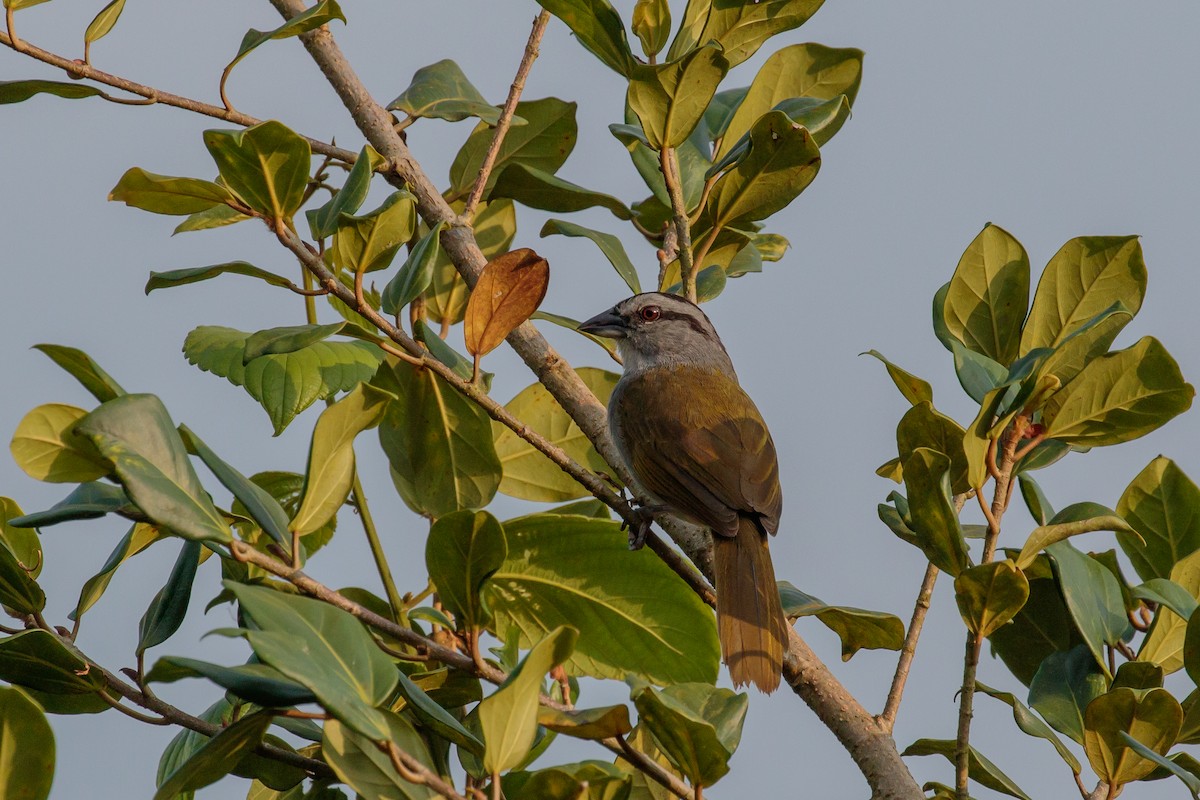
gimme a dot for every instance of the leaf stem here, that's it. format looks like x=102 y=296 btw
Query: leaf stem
x=381 y=564
x=668 y=162
x=506 y=115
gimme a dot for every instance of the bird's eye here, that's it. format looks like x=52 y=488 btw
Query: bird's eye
x=650 y=313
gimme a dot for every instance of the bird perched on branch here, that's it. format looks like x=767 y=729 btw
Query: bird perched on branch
x=695 y=441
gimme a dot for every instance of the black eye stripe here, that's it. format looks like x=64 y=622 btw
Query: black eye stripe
x=690 y=319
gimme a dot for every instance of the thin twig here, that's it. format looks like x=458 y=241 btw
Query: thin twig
x=887 y=719
x=413 y=771
x=129 y=712
x=668 y=163
x=1034 y=442
x=649 y=766
x=506 y=115
x=381 y=563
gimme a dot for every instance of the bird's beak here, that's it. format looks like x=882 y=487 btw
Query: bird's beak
x=606 y=324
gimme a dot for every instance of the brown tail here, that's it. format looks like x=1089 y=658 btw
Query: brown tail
x=750 y=617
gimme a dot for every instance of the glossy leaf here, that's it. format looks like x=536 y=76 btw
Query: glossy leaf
x=414 y=275
x=989 y=595
x=1163 y=644
x=215 y=217
x=652 y=25
x=88 y=501
x=1086 y=276
x=694 y=160
x=136 y=434
x=698 y=726
x=47 y=448
x=530 y=475
x=980 y=769
x=310 y=19
x=1032 y=725
x=535 y=188
x=1181 y=765
x=438 y=443
x=20 y=91
x=179 y=277
x=573 y=324
x=543 y=142
x=164 y=194
x=331 y=455
x=287 y=339
x=170 y=604
x=495 y=227
x=437 y=718
x=267 y=166
x=857 y=628
x=1035 y=500
x=989 y=294
x=1045 y=535
x=585 y=780
x=442 y=91
x=446 y=354
x=740 y=28
x=574 y=570
x=323 y=221
x=323 y=648
x=27 y=751
x=80 y=366
x=1163 y=506
x=1085 y=343
x=939 y=535
x=287 y=383
x=24 y=543
x=811 y=71
x=369 y=243
x=255 y=683
x=104 y=21
x=287 y=489
x=1153 y=719
x=587 y=723
x=463 y=550
x=217 y=757
x=362 y=766
x=1119 y=397
x=923 y=426
x=609 y=244
x=508 y=718
x=509 y=290
x=597 y=27
x=670 y=99
x=1168 y=593
x=977 y=374
x=914 y=389
x=1093 y=597
x=782 y=162
x=39 y=662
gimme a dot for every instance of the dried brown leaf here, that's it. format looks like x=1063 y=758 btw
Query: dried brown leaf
x=510 y=289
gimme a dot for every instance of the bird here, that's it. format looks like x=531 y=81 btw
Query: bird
x=697 y=444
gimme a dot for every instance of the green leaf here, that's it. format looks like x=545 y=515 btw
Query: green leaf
x=438 y=443
x=543 y=142
x=18 y=589
x=370 y=242
x=88 y=501
x=1161 y=504
x=437 y=718
x=1186 y=771
x=446 y=354
x=1119 y=397
x=1086 y=276
x=331 y=455
x=170 y=604
x=1163 y=644
x=977 y=374
x=415 y=275
x=495 y=226
x=693 y=156
x=988 y=295
x=215 y=217
x=1093 y=597
x=287 y=383
x=810 y=71
x=608 y=243
x=587 y=723
x=46 y=447
x=980 y=769
x=323 y=648
x=1046 y=535
x=571 y=569
x=442 y=91
x=217 y=757
x=652 y=25
x=136 y=539
x=923 y=426
x=740 y=28
x=598 y=28
x=537 y=189
x=287 y=489
x=362 y=766
x=23 y=543
x=939 y=535
x=164 y=194
x=463 y=550
x=323 y=221
x=136 y=434
x=20 y=91
x=255 y=683
x=573 y=324
x=508 y=718
x=857 y=628
x=266 y=166
x=990 y=595
x=1035 y=500
x=1042 y=627
x=1153 y=719
x=287 y=339
x=80 y=366
x=258 y=502
x=27 y=752
x=39 y=662
x=1138 y=675
x=914 y=389
x=585 y=780
x=530 y=475
x=179 y=277
x=310 y=19
x=1032 y=725
x=1168 y=593
x=782 y=162
x=698 y=726
x=670 y=99
x=104 y=21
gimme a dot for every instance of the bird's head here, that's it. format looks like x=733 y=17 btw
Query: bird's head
x=658 y=330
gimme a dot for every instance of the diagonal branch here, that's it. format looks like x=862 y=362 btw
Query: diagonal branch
x=887 y=719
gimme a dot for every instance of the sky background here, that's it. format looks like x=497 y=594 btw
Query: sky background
x=1053 y=120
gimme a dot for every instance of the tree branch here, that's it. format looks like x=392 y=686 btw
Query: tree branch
x=510 y=108
x=887 y=719
x=668 y=163
x=413 y=771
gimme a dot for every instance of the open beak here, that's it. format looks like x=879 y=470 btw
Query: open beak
x=607 y=324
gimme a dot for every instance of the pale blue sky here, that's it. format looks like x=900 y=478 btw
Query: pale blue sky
x=1052 y=120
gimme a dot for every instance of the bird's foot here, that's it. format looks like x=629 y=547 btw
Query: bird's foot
x=639 y=528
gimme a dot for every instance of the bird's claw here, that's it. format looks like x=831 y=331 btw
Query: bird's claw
x=639 y=528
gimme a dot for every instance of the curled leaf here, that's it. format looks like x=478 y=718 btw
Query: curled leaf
x=510 y=289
